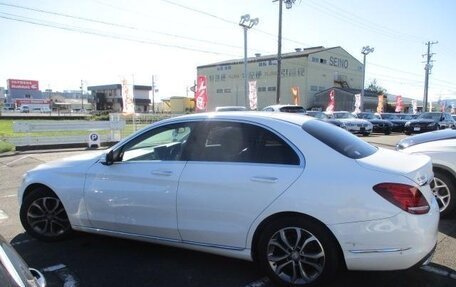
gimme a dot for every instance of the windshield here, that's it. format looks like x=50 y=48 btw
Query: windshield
x=430 y=116
x=293 y=109
x=390 y=117
x=343 y=116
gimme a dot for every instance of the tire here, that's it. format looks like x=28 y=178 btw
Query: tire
x=43 y=216
x=366 y=134
x=387 y=132
x=407 y=133
x=443 y=188
x=300 y=245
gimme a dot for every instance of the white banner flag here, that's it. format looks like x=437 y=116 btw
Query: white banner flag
x=253 y=95
x=127 y=97
x=357 y=103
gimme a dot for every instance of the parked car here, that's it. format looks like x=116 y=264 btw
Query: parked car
x=429 y=121
x=276 y=188
x=230 y=108
x=352 y=123
x=324 y=117
x=14 y=272
x=285 y=108
x=454 y=117
x=398 y=120
x=379 y=125
x=441 y=147
x=24 y=109
x=45 y=110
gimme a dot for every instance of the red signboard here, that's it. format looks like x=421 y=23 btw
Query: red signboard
x=23 y=84
x=201 y=93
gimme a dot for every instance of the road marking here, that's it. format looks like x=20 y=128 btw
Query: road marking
x=3 y=215
x=22 y=242
x=259 y=283
x=16 y=160
x=53 y=268
x=9 y=195
x=69 y=280
x=439 y=271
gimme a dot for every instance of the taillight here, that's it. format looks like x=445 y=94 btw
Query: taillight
x=406 y=197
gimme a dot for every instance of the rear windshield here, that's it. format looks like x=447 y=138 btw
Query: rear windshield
x=293 y=109
x=339 y=139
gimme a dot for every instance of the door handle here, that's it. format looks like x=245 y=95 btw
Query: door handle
x=267 y=179
x=162 y=172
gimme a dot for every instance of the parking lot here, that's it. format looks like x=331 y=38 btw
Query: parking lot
x=90 y=260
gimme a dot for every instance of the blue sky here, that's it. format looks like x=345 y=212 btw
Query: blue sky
x=102 y=41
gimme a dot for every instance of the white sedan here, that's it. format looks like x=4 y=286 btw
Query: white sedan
x=441 y=147
x=352 y=123
x=276 y=188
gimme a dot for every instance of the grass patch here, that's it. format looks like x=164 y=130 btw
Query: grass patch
x=5 y=147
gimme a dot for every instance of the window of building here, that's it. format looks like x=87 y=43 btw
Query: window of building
x=320 y=88
x=227 y=91
x=271 y=89
x=261 y=89
x=219 y=91
x=313 y=88
x=315 y=60
x=323 y=61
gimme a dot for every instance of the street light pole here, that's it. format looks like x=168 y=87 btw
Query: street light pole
x=365 y=51
x=288 y=5
x=82 y=97
x=246 y=23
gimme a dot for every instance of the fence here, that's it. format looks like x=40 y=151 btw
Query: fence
x=42 y=133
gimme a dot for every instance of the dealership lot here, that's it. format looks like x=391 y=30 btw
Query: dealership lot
x=89 y=260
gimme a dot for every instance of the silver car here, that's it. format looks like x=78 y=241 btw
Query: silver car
x=352 y=123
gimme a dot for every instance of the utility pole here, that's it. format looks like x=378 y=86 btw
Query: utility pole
x=153 y=94
x=82 y=97
x=427 y=69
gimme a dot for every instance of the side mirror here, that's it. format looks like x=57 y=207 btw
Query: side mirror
x=108 y=158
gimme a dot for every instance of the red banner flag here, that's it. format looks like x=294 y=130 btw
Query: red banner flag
x=201 y=94
x=399 y=104
x=332 y=101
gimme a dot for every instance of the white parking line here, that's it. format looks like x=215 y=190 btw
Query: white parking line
x=22 y=242
x=53 y=268
x=259 y=283
x=3 y=215
x=16 y=160
x=9 y=195
x=439 y=271
x=69 y=280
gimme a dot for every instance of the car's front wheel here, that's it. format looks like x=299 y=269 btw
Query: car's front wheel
x=297 y=251
x=43 y=216
x=444 y=191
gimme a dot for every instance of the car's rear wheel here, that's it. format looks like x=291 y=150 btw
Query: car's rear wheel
x=44 y=217
x=297 y=251
x=444 y=191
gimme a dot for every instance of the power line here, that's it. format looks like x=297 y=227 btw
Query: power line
x=102 y=34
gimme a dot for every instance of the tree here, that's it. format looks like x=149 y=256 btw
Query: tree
x=374 y=87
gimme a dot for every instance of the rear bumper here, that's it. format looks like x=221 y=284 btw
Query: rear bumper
x=395 y=243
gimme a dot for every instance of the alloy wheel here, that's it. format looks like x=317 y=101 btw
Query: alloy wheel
x=296 y=255
x=47 y=217
x=441 y=192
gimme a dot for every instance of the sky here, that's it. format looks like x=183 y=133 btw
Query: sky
x=96 y=42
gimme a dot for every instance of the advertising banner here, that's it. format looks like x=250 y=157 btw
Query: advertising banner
x=357 y=103
x=201 y=94
x=399 y=104
x=127 y=97
x=253 y=99
x=380 y=104
x=296 y=99
x=23 y=84
x=332 y=101
x=415 y=106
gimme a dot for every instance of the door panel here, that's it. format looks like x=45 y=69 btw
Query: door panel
x=217 y=202
x=134 y=197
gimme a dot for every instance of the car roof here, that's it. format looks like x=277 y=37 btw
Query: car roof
x=253 y=116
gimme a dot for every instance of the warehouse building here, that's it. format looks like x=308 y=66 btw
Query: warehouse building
x=304 y=73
